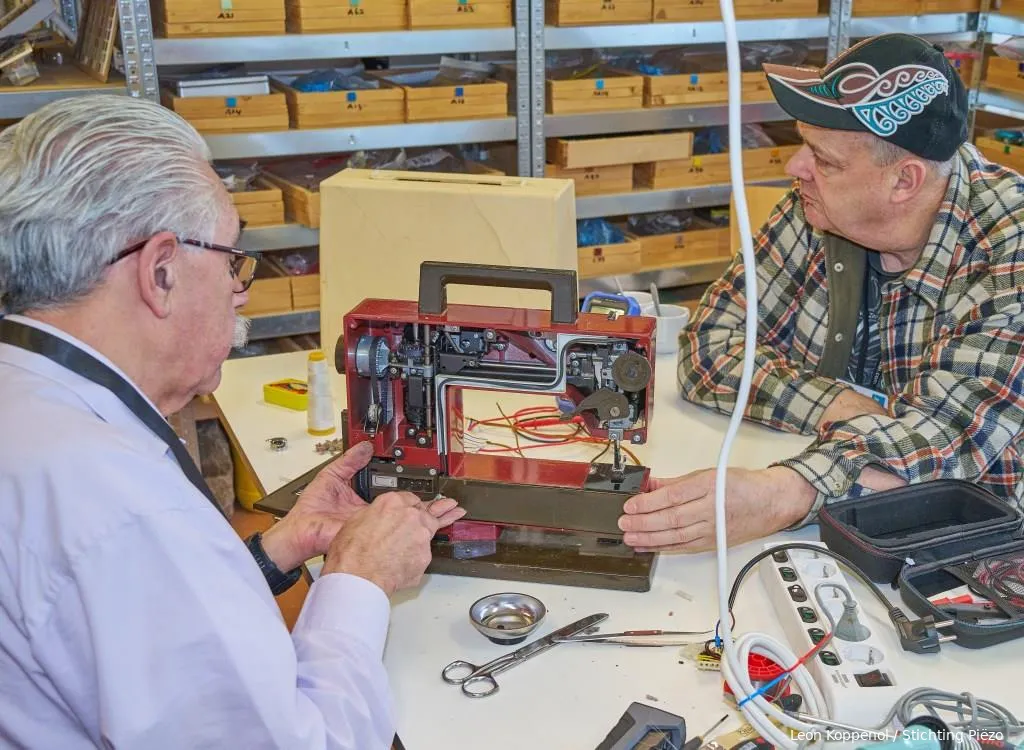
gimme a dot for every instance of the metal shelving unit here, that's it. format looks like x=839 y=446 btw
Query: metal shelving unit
x=294 y=323
x=528 y=125
x=646 y=201
x=301 y=47
x=677 y=34
x=411 y=134
x=639 y=120
x=16 y=104
x=283 y=237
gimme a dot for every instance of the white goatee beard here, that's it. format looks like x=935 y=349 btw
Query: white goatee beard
x=240 y=336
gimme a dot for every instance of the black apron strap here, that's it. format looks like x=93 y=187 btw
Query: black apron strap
x=67 y=355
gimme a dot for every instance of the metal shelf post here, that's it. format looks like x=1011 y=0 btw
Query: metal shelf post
x=136 y=26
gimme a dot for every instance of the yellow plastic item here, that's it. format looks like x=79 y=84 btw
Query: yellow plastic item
x=289 y=393
x=246 y=490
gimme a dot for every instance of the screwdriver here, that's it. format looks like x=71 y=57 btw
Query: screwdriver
x=697 y=741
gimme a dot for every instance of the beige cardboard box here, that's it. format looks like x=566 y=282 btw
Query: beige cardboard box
x=378 y=226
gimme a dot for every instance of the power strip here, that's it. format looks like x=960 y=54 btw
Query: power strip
x=856 y=677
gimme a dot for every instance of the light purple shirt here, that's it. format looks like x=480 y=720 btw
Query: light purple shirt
x=131 y=614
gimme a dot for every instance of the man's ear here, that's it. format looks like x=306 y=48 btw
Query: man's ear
x=157 y=272
x=909 y=177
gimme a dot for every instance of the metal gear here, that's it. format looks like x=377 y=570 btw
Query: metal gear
x=631 y=372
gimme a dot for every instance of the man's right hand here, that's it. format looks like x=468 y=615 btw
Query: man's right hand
x=848 y=405
x=388 y=541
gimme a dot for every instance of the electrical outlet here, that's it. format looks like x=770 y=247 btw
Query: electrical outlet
x=855 y=677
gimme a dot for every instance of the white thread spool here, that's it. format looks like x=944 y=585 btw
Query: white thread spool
x=320 y=403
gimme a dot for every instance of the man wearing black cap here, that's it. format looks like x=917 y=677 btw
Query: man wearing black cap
x=891 y=306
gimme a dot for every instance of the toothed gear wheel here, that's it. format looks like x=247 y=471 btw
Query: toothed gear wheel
x=372 y=356
x=385 y=401
x=631 y=372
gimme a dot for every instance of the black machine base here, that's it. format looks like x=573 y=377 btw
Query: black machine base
x=535 y=549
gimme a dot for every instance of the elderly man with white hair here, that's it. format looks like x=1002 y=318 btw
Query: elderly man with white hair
x=131 y=614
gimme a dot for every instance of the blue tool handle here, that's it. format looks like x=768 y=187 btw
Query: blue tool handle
x=629 y=305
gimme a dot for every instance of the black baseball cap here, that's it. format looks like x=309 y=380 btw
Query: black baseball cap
x=896 y=86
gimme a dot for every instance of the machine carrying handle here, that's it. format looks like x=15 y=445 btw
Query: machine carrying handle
x=435 y=277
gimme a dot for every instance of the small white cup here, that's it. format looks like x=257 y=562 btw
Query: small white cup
x=642 y=298
x=671 y=322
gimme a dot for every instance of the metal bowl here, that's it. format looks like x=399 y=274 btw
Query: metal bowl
x=507 y=618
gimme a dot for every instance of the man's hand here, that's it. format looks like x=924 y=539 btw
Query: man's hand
x=679 y=514
x=322 y=510
x=388 y=542
x=847 y=405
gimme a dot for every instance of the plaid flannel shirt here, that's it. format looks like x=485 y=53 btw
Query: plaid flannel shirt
x=952 y=333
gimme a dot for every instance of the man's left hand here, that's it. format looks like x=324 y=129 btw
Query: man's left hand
x=679 y=514
x=323 y=508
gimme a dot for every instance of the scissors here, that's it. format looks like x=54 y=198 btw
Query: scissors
x=468 y=675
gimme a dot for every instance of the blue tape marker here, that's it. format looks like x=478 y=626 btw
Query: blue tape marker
x=458 y=91
x=231 y=102
x=599 y=84
x=351 y=95
x=694 y=78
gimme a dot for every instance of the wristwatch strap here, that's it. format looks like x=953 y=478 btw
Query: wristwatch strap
x=279 y=582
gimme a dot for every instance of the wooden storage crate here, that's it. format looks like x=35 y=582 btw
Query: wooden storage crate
x=183 y=18
x=325 y=16
x=261 y=206
x=885 y=8
x=713 y=169
x=609 y=260
x=301 y=205
x=696 y=246
x=449 y=14
x=600 y=151
x=587 y=12
x=950 y=6
x=271 y=291
x=231 y=114
x=685 y=89
x=332 y=109
x=467 y=101
x=1001 y=153
x=608 y=89
x=305 y=291
x=615 y=178
x=708 y=10
x=1004 y=73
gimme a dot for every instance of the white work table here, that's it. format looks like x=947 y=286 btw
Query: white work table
x=569 y=697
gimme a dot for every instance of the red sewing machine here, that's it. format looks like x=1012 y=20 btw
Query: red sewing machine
x=407 y=366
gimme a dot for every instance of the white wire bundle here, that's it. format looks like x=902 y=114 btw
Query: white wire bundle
x=758 y=712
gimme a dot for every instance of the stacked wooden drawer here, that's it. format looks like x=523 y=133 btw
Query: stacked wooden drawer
x=601 y=165
x=185 y=18
x=764 y=163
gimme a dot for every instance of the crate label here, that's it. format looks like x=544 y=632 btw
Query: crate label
x=352 y=101
x=231 y=102
x=226 y=10
x=599 y=89
x=607 y=4
x=350 y=96
x=465 y=6
x=459 y=96
x=697 y=165
x=591 y=173
x=680 y=242
x=774 y=156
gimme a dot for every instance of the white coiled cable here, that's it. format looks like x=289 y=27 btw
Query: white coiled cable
x=768 y=720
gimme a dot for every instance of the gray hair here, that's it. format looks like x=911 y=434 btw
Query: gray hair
x=83 y=178
x=886 y=154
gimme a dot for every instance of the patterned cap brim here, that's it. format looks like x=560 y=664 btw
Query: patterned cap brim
x=799 y=92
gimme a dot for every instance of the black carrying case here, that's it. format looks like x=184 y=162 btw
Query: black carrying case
x=933 y=537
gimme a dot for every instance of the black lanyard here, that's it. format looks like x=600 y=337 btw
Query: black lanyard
x=71 y=357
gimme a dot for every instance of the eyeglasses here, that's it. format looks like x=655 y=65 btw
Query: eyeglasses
x=243 y=262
